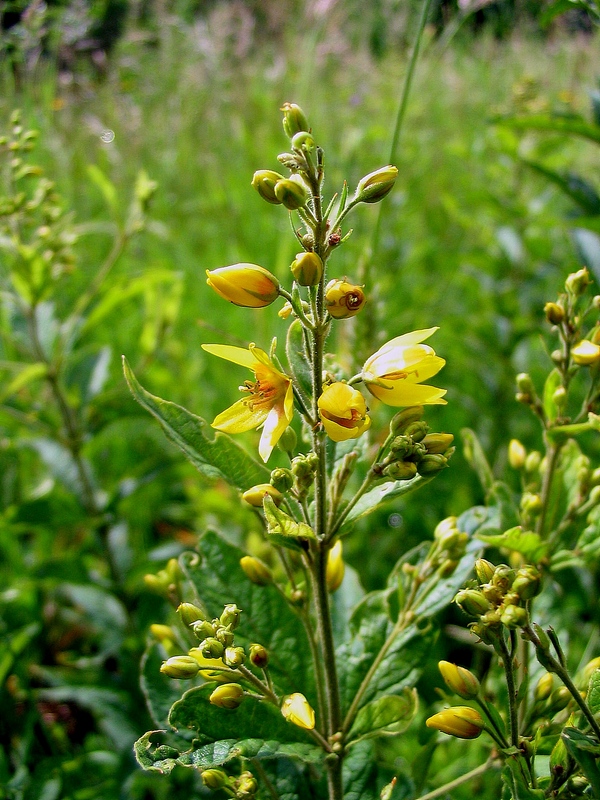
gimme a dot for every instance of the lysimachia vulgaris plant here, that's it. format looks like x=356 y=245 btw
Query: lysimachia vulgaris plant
x=547 y=740
x=294 y=672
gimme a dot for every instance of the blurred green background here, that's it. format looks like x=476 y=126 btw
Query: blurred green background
x=473 y=239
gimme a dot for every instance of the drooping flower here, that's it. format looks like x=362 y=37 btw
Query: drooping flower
x=270 y=399
x=296 y=709
x=395 y=373
x=343 y=412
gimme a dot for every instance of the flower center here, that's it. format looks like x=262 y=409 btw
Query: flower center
x=262 y=394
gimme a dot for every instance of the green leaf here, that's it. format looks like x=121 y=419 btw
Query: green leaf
x=13 y=645
x=267 y=618
x=514 y=776
x=593 y=693
x=289 y=778
x=553 y=381
x=473 y=452
x=108 y=189
x=282 y=529
x=528 y=543
x=216 y=457
x=579 y=190
x=542 y=122
x=27 y=373
x=387 y=716
x=384 y=493
x=359 y=772
x=295 y=350
x=586 y=751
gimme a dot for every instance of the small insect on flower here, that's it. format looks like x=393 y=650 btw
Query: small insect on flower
x=395 y=373
x=270 y=398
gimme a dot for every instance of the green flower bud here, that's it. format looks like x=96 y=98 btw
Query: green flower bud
x=189 y=613
x=527 y=582
x=256 y=571
x=234 y=657
x=503 y=577
x=294 y=119
x=334 y=573
x=182 y=667
x=484 y=570
x=513 y=616
x=400 y=470
x=376 y=185
x=282 y=479
x=525 y=384
x=303 y=468
x=303 y=141
x=403 y=418
x=246 y=786
x=531 y=503
x=259 y=656
x=212 y=648
x=231 y=616
x=229 y=695
x=214 y=778
x=577 y=282
x=163 y=633
x=543 y=689
x=288 y=440
x=292 y=192
x=255 y=496
x=559 y=397
x=459 y=680
x=554 y=312
x=516 y=454
x=417 y=430
x=559 y=699
x=589 y=670
x=430 y=464
x=307 y=269
x=225 y=636
x=463 y=722
x=202 y=629
x=472 y=602
x=437 y=442
x=264 y=181
x=532 y=462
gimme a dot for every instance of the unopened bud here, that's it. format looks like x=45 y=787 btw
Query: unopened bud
x=288 y=440
x=484 y=570
x=163 y=633
x=229 y=695
x=296 y=709
x=203 y=628
x=246 y=285
x=231 y=616
x=256 y=495
x=559 y=397
x=303 y=141
x=437 y=442
x=225 y=636
x=246 y=786
x=525 y=384
x=259 y=656
x=335 y=569
x=577 y=282
x=473 y=602
x=589 y=670
x=555 y=313
x=503 y=577
x=212 y=648
x=533 y=462
x=292 y=192
x=513 y=616
x=376 y=185
x=307 y=269
x=463 y=722
x=430 y=464
x=343 y=299
x=543 y=689
x=531 y=503
x=559 y=699
x=256 y=571
x=401 y=419
x=400 y=470
x=586 y=353
x=189 y=613
x=294 y=119
x=417 y=431
x=214 y=778
x=459 y=680
x=181 y=667
x=282 y=479
x=516 y=454
x=234 y=657
x=527 y=582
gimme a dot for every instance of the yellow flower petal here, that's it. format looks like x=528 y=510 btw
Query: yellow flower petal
x=408 y=394
x=239 y=418
x=236 y=354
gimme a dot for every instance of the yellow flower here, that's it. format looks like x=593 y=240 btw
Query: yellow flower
x=296 y=709
x=270 y=400
x=334 y=574
x=343 y=412
x=586 y=353
x=395 y=373
x=246 y=285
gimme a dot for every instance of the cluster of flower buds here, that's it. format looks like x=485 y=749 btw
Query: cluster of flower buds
x=412 y=449
x=500 y=598
x=449 y=546
x=243 y=787
x=217 y=637
x=297 y=480
x=166 y=582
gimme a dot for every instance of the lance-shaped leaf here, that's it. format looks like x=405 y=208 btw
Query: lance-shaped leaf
x=387 y=716
x=284 y=530
x=384 y=493
x=215 y=456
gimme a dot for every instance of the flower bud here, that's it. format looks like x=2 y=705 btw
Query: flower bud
x=259 y=656
x=559 y=699
x=234 y=657
x=288 y=440
x=292 y=192
x=586 y=353
x=463 y=722
x=459 y=680
x=400 y=470
x=343 y=299
x=225 y=636
x=303 y=141
x=231 y=616
x=559 y=397
x=282 y=479
x=577 y=282
x=531 y=503
x=444 y=528
x=212 y=648
x=246 y=786
x=513 y=616
x=296 y=709
x=214 y=778
x=472 y=602
x=417 y=431
x=533 y=462
x=203 y=628
x=264 y=181
x=527 y=582
x=163 y=633
x=589 y=670
x=503 y=577
x=189 y=613
x=182 y=667
x=402 y=419
x=525 y=384
x=256 y=495
x=484 y=570
x=294 y=119
x=376 y=185
x=334 y=574
x=516 y=454
x=543 y=689
x=343 y=412
x=430 y=464
x=307 y=269
x=246 y=285
x=437 y=442
x=285 y=312
x=554 y=312
x=229 y=695
x=256 y=571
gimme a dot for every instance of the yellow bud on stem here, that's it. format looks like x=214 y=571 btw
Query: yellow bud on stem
x=246 y=285
x=463 y=722
x=296 y=709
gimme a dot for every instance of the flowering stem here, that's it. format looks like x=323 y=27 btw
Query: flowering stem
x=512 y=693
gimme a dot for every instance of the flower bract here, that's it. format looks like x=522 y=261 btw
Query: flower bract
x=343 y=412
x=395 y=373
x=269 y=402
